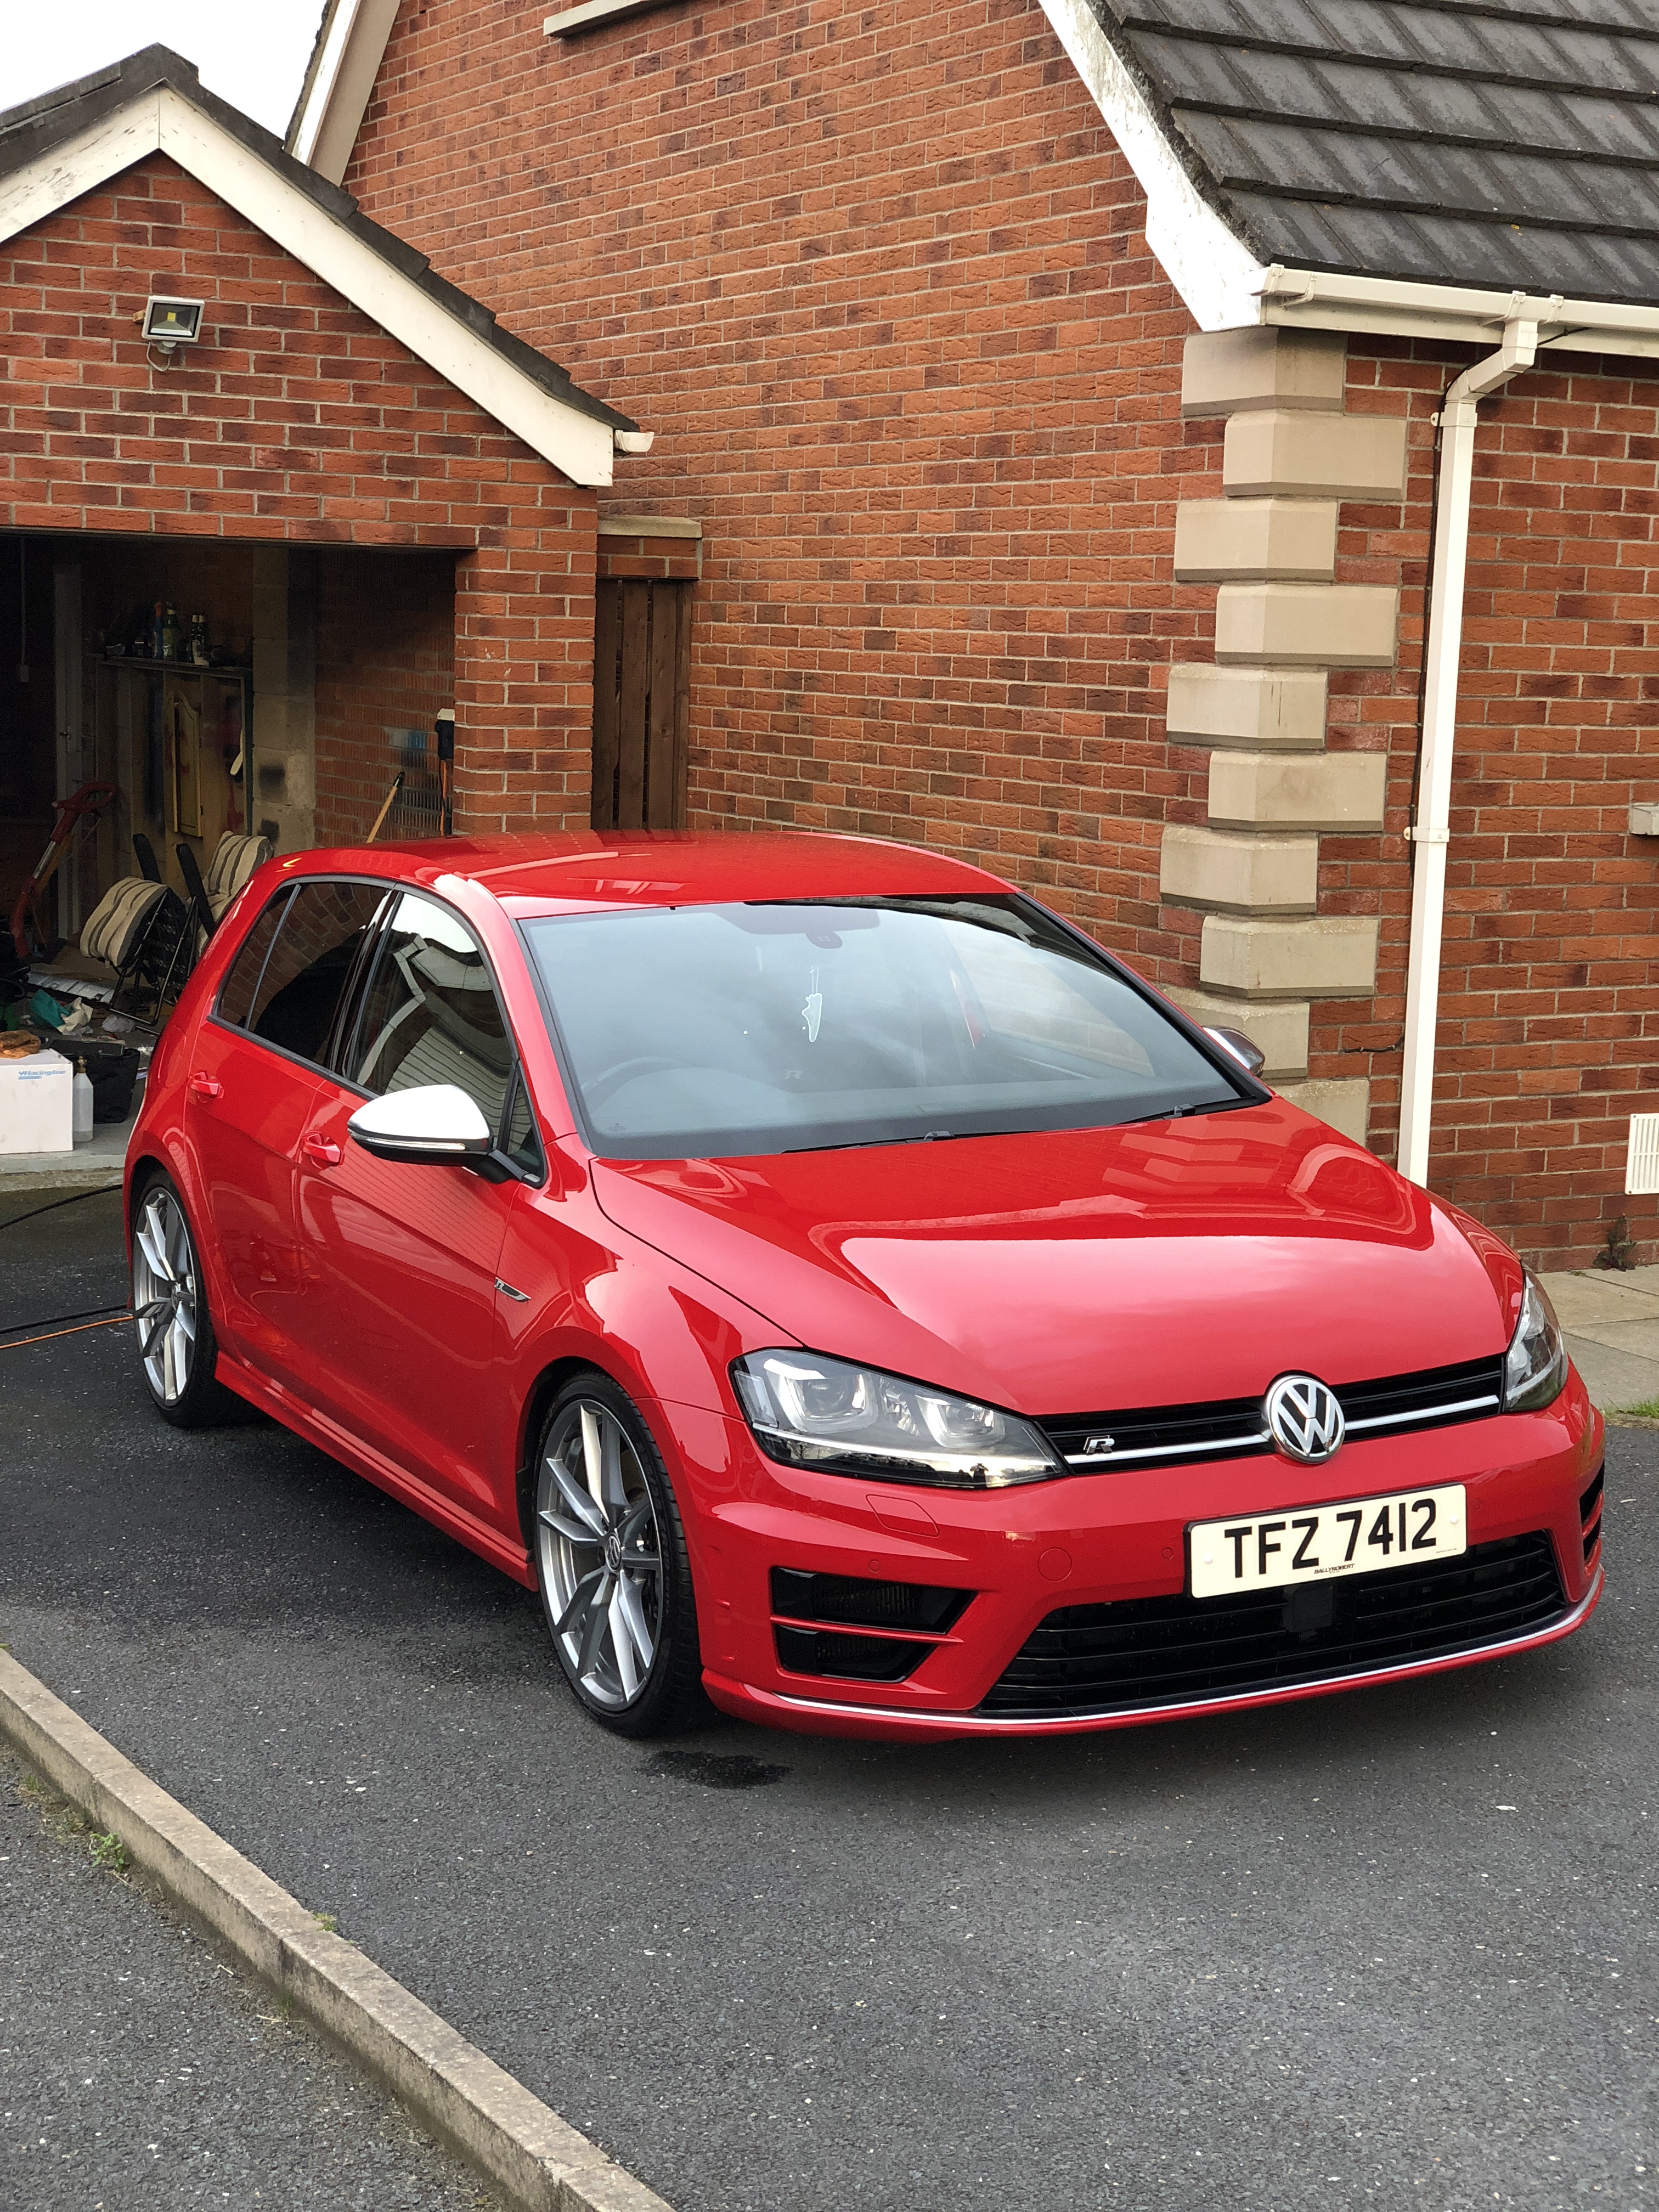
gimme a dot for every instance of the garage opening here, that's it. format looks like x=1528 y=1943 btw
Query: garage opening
x=213 y=691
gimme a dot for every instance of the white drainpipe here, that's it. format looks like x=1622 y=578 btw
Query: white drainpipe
x=1458 y=417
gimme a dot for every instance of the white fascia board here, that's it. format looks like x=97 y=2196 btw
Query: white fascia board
x=1213 y=271
x=1388 y=306
x=161 y=121
x=309 y=125
x=325 y=130
x=80 y=165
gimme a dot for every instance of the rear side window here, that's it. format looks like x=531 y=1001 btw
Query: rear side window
x=236 y=999
x=322 y=934
x=430 y=1013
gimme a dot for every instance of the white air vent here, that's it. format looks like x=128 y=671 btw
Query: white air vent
x=1642 y=1161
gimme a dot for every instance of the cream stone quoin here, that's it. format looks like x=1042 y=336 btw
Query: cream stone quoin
x=1291 y=456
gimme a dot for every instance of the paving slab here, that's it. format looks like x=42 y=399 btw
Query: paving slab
x=1611 y=1324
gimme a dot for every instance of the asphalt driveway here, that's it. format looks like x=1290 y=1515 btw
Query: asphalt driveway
x=1397 y=1946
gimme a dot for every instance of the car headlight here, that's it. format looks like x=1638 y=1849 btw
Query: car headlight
x=841 y=1419
x=1536 y=1370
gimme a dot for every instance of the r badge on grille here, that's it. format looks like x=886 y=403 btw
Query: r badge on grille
x=1304 y=1417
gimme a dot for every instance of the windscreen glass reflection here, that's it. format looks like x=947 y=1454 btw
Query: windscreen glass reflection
x=698 y=1032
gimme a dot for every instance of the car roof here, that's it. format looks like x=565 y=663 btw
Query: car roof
x=656 y=867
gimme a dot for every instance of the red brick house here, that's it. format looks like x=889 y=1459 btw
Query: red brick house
x=908 y=299
x=380 y=503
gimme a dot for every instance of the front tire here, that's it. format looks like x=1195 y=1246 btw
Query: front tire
x=177 y=1349
x=611 y=1557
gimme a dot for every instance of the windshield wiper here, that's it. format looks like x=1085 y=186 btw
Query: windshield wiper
x=927 y=1137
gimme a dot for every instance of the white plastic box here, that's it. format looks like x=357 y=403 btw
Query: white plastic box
x=37 y=1104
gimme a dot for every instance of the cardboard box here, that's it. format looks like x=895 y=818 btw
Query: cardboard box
x=37 y=1104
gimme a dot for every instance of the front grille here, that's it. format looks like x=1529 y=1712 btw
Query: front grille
x=1089 y=1659
x=1589 y=1513
x=1233 y=1428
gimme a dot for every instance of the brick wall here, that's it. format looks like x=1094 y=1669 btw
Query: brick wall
x=1548 y=1037
x=297 y=419
x=877 y=282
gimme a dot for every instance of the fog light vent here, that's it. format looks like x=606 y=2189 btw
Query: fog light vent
x=1642 y=1160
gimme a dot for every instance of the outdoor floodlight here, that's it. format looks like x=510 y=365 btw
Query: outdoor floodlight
x=170 y=323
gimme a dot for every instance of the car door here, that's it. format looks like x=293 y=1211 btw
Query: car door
x=246 y=1110
x=401 y=1303
x=253 y=1079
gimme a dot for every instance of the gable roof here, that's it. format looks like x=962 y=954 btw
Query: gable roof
x=68 y=142
x=1501 y=144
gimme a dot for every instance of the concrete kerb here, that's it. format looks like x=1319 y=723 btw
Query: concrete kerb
x=521 y=2146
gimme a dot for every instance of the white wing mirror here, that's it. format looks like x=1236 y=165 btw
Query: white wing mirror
x=434 y=1124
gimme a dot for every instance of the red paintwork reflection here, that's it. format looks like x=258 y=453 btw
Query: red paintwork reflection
x=1165 y=1263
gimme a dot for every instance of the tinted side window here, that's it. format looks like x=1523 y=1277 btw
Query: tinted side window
x=236 y=997
x=321 y=936
x=430 y=1013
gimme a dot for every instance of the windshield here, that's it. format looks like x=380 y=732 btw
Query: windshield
x=695 y=1032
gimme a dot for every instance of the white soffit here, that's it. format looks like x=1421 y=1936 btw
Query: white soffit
x=338 y=87
x=1215 y=272
x=162 y=122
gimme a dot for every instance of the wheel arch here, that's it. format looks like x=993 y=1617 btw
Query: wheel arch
x=537 y=1401
x=140 y=1174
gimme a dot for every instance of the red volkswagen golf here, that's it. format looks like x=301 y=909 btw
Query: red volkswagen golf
x=835 y=1282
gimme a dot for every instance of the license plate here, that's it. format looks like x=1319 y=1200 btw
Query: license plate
x=1313 y=1543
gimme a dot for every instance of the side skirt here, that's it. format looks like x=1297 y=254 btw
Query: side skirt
x=328 y=1437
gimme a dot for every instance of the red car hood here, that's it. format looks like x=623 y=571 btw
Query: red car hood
x=1167 y=1262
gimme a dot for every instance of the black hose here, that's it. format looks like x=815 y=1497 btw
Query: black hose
x=51 y=1320
x=98 y=1190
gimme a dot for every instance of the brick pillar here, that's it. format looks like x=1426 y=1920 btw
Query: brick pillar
x=523 y=670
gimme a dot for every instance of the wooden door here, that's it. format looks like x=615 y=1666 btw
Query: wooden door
x=642 y=703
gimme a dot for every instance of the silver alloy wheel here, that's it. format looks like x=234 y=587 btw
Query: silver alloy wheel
x=600 y=1554
x=165 y=1296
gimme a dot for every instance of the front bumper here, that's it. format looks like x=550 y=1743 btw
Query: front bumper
x=1090 y=1540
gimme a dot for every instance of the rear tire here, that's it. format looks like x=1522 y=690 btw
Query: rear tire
x=611 y=1563
x=177 y=1351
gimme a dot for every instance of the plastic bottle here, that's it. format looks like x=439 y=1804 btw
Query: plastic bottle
x=81 y=1107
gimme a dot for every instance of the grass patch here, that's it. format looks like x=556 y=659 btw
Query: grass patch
x=68 y=1824
x=108 y=1852
x=1648 y=1411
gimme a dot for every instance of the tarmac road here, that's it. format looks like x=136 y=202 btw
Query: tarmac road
x=1396 y=1947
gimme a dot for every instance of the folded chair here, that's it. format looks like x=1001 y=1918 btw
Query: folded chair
x=234 y=859
x=142 y=930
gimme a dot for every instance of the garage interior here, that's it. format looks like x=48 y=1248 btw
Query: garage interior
x=325 y=669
